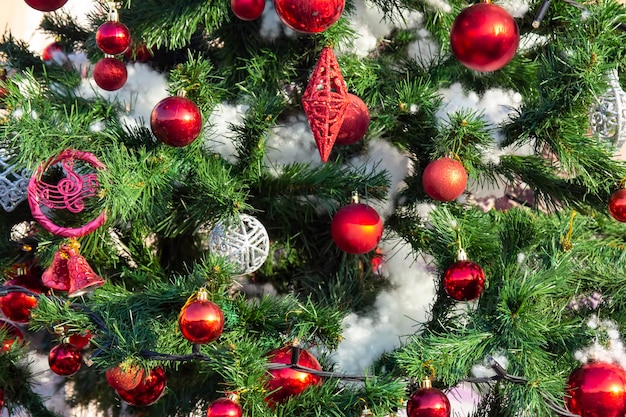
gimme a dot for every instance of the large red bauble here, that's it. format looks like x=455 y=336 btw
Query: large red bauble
x=176 y=121
x=224 y=407
x=46 y=5
x=201 y=321
x=356 y=121
x=124 y=377
x=464 y=280
x=110 y=74
x=597 y=389
x=617 y=205
x=247 y=9
x=149 y=390
x=444 y=179
x=65 y=359
x=484 y=37
x=287 y=382
x=356 y=228
x=309 y=16
x=12 y=332
x=16 y=306
x=113 y=37
x=428 y=402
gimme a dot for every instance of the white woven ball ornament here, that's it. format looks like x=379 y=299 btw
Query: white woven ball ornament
x=244 y=242
x=607 y=118
x=13 y=184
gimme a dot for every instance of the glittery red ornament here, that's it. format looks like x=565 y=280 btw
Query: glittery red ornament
x=325 y=101
x=597 y=389
x=50 y=50
x=176 y=121
x=356 y=121
x=287 y=382
x=80 y=340
x=16 y=306
x=428 y=402
x=46 y=5
x=149 y=390
x=224 y=407
x=484 y=37
x=464 y=280
x=356 y=228
x=65 y=359
x=201 y=320
x=444 y=179
x=247 y=9
x=110 y=74
x=617 y=205
x=12 y=332
x=124 y=376
x=309 y=16
x=113 y=37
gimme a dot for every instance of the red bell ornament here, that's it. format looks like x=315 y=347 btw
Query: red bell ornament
x=113 y=37
x=247 y=9
x=124 y=376
x=12 y=334
x=617 y=205
x=46 y=5
x=428 y=402
x=69 y=271
x=110 y=73
x=176 y=121
x=444 y=179
x=287 y=382
x=356 y=121
x=464 y=280
x=309 y=16
x=225 y=407
x=484 y=37
x=597 y=389
x=201 y=320
x=356 y=228
x=65 y=359
x=148 y=391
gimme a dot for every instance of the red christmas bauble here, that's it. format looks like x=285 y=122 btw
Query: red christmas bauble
x=428 y=402
x=201 y=321
x=80 y=340
x=50 y=50
x=287 y=382
x=356 y=228
x=356 y=121
x=65 y=359
x=247 y=9
x=110 y=74
x=149 y=390
x=176 y=121
x=46 y=5
x=139 y=52
x=16 y=306
x=444 y=179
x=113 y=37
x=597 y=389
x=12 y=332
x=224 y=407
x=124 y=377
x=1 y=399
x=617 y=205
x=464 y=280
x=309 y=16
x=484 y=37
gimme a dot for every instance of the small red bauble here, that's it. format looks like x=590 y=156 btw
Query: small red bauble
x=113 y=37
x=124 y=377
x=50 y=50
x=1 y=399
x=356 y=228
x=110 y=74
x=80 y=340
x=428 y=402
x=356 y=121
x=597 y=389
x=16 y=306
x=287 y=382
x=46 y=5
x=309 y=16
x=444 y=179
x=464 y=280
x=12 y=332
x=617 y=205
x=247 y=9
x=149 y=390
x=484 y=37
x=201 y=320
x=139 y=52
x=176 y=121
x=65 y=359
x=224 y=407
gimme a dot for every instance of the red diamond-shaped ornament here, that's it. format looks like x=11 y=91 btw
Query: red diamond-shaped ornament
x=325 y=101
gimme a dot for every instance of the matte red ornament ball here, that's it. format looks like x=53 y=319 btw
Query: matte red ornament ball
x=124 y=377
x=597 y=389
x=356 y=121
x=46 y=5
x=65 y=359
x=176 y=121
x=309 y=16
x=286 y=382
x=247 y=9
x=113 y=37
x=13 y=334
x=356 y=228
x=444 y=179
x=148 y=391
x=110 y=74
x=428 y=402
x=464 y=280
x=201 y=321
x=617 y=205
x=224 y=407
x=484 y=37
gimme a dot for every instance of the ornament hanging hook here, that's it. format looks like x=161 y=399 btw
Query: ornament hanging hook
x=566 y=241
x=113 y=14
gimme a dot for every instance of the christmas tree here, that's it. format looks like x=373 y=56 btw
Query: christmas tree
x=315 y=207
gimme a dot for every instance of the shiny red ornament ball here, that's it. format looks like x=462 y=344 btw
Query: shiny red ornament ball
x=148 y=391
x=46 y=5
x=247 y=9
x=110 y=74
x=1 y=399
x=444 y=179
x=201 y=321
x=176 y=121
x=138 y=52
x=224 y=407
x=287 y=382
x=124 y=377
x=12 y=334
x=309 y=16
x=65 y=359
x=484 y=37
x=428 y=402
x=113 y=37
x=356 y=228
x=617 y=205
x=50 y=50
x=16 y=306
x=464 y=280
x=80 y=340
x=597 y=389
x=356 y=121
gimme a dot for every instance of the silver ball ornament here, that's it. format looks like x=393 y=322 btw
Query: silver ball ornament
x=607 y=118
